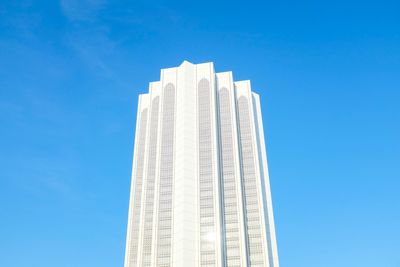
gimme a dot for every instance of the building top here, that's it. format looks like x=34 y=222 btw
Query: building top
x=196 y=71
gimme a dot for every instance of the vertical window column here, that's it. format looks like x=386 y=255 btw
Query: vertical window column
x=137 y=195
x=231 y=204
x=164 y=229
x=251 y=193
x=149 y=196
x=206 y=177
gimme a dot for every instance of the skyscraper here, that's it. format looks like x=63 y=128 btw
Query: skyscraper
x=200 y=193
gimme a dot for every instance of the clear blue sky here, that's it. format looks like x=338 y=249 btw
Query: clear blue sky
x=329 y=77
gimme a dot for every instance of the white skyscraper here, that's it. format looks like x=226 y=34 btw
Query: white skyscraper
x=200 y=193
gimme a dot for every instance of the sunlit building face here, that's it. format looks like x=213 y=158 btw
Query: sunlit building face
x=200 y=193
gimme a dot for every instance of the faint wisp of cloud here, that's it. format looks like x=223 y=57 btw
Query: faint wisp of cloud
x=91 y=44
x=46 y=176
x=95 y=35
x=95 y=50
x=82 y=10
x=22 y=20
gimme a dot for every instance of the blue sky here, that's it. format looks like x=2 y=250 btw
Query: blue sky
x=329 y=77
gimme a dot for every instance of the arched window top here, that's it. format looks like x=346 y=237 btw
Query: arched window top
x=203 y=84
x=169 y=88
x=223 y=92
x=169 y=95
x=143 y=114
x=156 y=99
x=242 y=100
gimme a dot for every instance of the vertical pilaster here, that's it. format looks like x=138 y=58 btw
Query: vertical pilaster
x=253 y=202
x=266 y=190
x=138 y=173
x=185 y=201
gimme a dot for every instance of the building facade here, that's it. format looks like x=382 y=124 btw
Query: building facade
x=200 y=193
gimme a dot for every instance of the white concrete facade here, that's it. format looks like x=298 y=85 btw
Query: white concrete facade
x=200 y=193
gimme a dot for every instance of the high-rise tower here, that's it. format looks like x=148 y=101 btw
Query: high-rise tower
x=200 y=193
